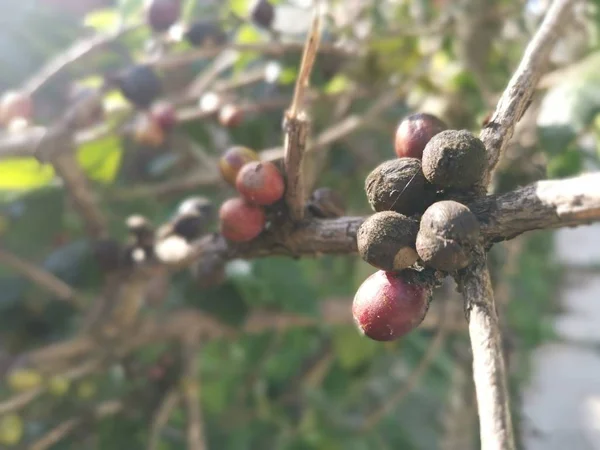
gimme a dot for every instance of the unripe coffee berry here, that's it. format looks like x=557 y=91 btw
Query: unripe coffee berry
x=386 y=240
x=164 y=114
x=233 y=160
x=389 y=305
x=231 y=115
x=414 y=132
x=241 y=221
x=399 y=185
x=260 y=182
x=448 y=233
x=140 y=85
x=454 y=159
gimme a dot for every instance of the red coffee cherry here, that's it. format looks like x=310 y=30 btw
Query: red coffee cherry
x=240 y=220
x=260 y=182
x=414 y=132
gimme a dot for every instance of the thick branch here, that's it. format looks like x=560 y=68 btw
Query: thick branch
x=489 y=372
x=517 y=95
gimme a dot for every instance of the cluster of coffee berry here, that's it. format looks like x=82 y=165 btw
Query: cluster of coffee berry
x=417 y=223
x=260 y=185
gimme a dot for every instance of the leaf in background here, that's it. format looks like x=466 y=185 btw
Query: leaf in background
x=338 y=84
x=24 y=174
x=247 y=34
x=351 y=348
x=130 y=10
x=101 y=159
x=570 y=106
x=102 y=20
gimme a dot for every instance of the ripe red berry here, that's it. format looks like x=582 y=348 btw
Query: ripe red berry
x=233 y=160
x=240 y=220
x=231 y=115
x=15 y=105
x=260 y=182
x=414 y=132
x=388 y=305
x=162 y=14
x=165 y=115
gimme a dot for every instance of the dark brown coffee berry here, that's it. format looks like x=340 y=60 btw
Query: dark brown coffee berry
x=399 y=185
x=140 y=85
x=414 y=132
x=262 y=13
x=454 y=159
x=165 y=115
x=389 y=305
x=162 y=14
x=205 y=33
x=386 y=240
x=448 y=233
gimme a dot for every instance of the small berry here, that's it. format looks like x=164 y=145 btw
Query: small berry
x=414 y=132
x=15 y=105
x=210 y=102
x=399 y=185
x=162 y=14
x=233 y=160
x=140 y=85
x=205 y=33
x=260 y=182
x=148 y=131
x=140 y=229
x=389 y=305
x=164 y=114
x=448 y=233
x=197 y=205
x=386 y=240
x=262 y=13
x=454 y=159
x=107 y=253
x=231 y=116
x=240 y=220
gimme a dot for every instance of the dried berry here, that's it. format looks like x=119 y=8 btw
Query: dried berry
x=205 y=33
x=386 y=240
x=233 y=160
x=448 y=233
x=140 y=229
x=162 y=14
x=325 y=203
x=454 y=159
x=240 y=220
x=399 y=185
x=164 y=114
x=414 y=132
x=260 y=182
x=262 y=13
x=199 y=205
x=107 y=253
x=140 y=85
x=389 y=305
x=15 y=105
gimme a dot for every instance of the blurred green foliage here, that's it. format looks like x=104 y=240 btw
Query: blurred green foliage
x=302 y=388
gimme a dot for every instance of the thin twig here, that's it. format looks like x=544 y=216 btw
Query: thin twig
x=161 y=418
x=297 y=123
x=190 y=391
x=42 y=278
x=517 y=96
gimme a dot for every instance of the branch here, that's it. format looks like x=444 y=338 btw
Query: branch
x=43 y=279
x=517 y=96
x=161 y=417
x=489 y=372
x=190 y=391
x=296 y=126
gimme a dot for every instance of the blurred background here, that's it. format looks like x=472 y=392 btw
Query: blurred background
x=283 y=366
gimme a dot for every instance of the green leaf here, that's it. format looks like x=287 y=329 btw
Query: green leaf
x=24 y=174
x=352 y=349
x=102 y=20
x=101 y=159
x=239 y=7
x=338 y=84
